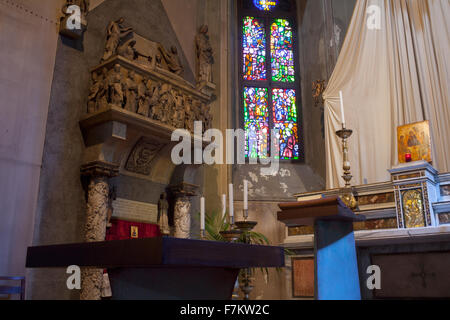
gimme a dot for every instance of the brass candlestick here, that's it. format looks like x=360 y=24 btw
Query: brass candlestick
x=233 y=234
x=246 y=277
x=347 y=195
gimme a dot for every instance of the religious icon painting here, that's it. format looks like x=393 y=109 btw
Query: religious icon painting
x=134 y=232
x=414 y=142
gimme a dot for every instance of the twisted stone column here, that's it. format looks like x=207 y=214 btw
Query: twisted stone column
x=96 y=219
x=182 y=218
x=182 y=211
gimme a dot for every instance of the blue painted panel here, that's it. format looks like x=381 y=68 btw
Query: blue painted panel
x=336 y=262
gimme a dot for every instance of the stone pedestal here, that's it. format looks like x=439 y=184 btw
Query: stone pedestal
x=182 y=211
x=207 y=88
x=96 y=219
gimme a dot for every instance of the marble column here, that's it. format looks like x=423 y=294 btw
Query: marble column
x=182 y=218
x=96 y=219
x=182 y=209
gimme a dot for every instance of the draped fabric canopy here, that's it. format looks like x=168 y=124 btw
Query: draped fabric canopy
x=392 y=70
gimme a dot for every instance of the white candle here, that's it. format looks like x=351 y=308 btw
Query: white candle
x=231 y=204
x=342 y=108
x=202 y=213
x=245 y=195
x=224 y=205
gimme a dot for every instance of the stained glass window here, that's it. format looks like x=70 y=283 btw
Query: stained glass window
x=254 y=49
x=285 y=122
x=265 y=5
x=282 y=53
x=269 y=88
x=256 y=121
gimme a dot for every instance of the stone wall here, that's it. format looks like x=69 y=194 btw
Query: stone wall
x=60 y=215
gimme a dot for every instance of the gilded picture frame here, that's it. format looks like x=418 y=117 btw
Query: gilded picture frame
x=414 y=139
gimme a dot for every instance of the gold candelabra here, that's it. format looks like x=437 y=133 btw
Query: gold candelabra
x=347 y=195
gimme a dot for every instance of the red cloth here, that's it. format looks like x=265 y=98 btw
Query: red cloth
x=121 y=230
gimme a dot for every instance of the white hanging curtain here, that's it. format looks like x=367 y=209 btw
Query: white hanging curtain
x=393 y=70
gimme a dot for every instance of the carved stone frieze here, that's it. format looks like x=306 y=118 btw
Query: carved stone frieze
x=150 y=94
x=142 y=156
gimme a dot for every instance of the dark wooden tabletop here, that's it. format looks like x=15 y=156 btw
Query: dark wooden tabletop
x=155 y=252
x=307 y=212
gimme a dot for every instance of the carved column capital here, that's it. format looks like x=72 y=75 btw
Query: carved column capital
x=100 y=169
x=184 y=190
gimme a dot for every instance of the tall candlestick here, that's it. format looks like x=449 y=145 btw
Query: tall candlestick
x=202 y=213
x=245 y=195
x=342 y=108
x=231 y=202
x=224 y=205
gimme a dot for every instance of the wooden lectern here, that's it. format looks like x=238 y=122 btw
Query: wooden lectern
x=162 y=268
x=336 y=267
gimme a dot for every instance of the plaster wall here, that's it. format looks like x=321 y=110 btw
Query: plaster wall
x=28 y=33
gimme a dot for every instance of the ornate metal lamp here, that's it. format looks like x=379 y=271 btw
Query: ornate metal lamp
x=346 y=193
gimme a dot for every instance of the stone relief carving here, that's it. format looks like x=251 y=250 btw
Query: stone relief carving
x=123 y=88
x=134 y=87
x=142 y=156
x=172 y=60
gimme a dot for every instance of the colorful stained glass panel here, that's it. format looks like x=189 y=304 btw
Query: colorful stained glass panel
x=254 y=49
x=265 y=5
x=282 y=54
x=285 y=123
x=256 y=122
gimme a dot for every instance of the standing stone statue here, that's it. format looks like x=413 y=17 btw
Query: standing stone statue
x=163 y=217
x=205 y=58
x=115 y=33
x=131 y=89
